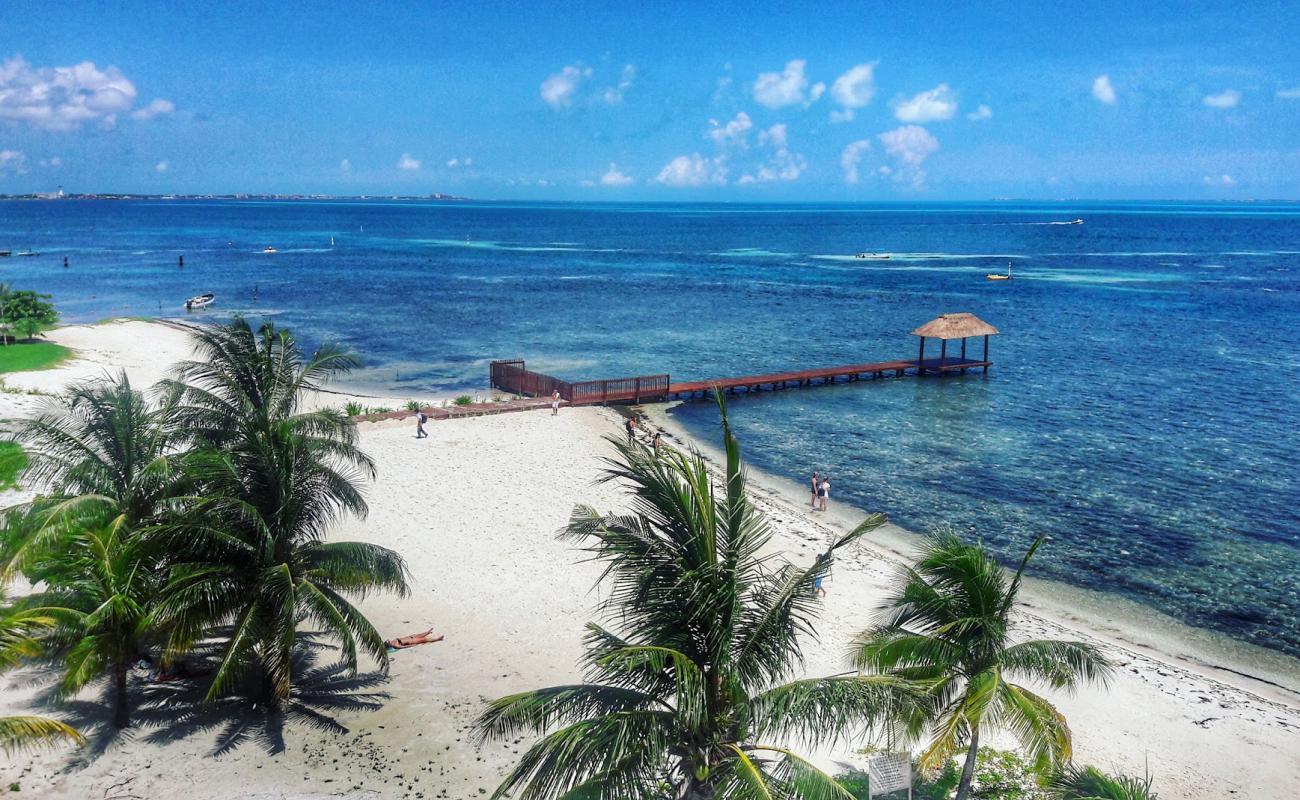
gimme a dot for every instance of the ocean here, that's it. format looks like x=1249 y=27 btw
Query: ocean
x=1141 y=411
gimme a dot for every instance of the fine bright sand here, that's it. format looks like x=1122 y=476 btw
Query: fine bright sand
x=474 y=509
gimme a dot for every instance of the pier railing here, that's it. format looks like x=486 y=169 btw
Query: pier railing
x=512 y=376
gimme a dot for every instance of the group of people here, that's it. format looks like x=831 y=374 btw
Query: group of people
x=821 y=490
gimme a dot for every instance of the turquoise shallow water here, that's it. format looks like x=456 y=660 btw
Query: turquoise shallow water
x=1142 y=410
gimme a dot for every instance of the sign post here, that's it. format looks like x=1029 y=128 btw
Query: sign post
x=889 y=772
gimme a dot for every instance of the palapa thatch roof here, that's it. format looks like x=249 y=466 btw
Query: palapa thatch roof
x=955 y=326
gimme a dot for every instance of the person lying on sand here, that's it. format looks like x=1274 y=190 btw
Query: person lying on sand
x=413 y=639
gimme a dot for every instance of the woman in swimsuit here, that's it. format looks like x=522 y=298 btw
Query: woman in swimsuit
x=411 y=640
x=816 y=484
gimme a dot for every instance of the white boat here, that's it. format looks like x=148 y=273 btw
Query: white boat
x=873 y=255
x=269 y=250
x=200 y=301
x=994 y=276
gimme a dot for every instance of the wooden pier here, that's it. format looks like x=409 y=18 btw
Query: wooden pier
x=513 y=377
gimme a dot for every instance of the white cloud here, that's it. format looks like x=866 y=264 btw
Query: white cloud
x=734 y=132
x=1288 y=94
x=787 y=88
x=614 y=94
x=157 y=108
x=1219 y=180
x=408 y=163
x=1229 y=98
x=910 y=144
x=614 y=178
x=855 y=88
x=452 y=163
x=63 y=98
x=162 y=166
x=693 y=170
x=983 y=112
x=1103 y=91
x=13 y=161
x=558 y=89
x=345 y=165
x=936 y=104
x=55 y=161
x=842 y=116
x=783 y=164
x=852 y=157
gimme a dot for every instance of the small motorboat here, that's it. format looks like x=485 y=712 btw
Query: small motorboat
x=6 y=253
x=872 y=255
x=201 y=301
x=28 y=253
x=997 y=276
x=269 y=250
x=1076 y=222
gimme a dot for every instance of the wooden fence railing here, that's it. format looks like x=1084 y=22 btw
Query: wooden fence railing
x=513 y=377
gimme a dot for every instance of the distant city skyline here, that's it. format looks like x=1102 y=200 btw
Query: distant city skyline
x=670 y=101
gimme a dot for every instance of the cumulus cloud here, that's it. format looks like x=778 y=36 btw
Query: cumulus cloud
x=345 y=165
x=910 y=144
x=853 y=89
x=734 y=132
x=1229 y=98
x=162 y=166
x=63 y=98
x=1219 y=180
x=614 y=94
x=12 y=161
x=1289 y=94
x=157 y=108
x=852 y=157
x=613 y=177
x=938 y=103
x=558 y=89
x=454 y=163
x=693 y=170
x=54 y=161
x=983 y=112
x=783 y=164
x=1103 y=91
x=787 y=88
x=408 y=163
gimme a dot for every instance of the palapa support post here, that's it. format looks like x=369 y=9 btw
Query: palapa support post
x=943 y=354
x=986 y=352
x=920 y=358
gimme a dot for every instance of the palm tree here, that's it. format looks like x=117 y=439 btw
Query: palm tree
x=1090 y=783
x=271 y=479
x=947 y=626
x=18 y=626
x=107 y=455
x=687 y=699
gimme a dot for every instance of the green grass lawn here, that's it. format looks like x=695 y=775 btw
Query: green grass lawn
x=26 y=356
x=12 y=462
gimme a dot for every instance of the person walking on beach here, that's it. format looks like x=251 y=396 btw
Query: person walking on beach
x=420 y=419
x=555 y=402
x=824 y=491
x=630 y=425
x=816 y=484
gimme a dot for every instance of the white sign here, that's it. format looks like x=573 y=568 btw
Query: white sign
x=890 y=772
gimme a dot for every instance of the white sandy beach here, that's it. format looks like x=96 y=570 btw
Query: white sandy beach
x=474 y=508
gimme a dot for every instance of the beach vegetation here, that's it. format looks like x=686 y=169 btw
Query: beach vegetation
x=686 y=697
x=354 y=409
x=28 y=313
x=946 y=625
x=19 y=626
x=29 y=356
x=464 y=400
x=413 y=405
x=1089 y=783
x=13 y=460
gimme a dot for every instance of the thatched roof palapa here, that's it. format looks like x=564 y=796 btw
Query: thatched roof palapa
x=955 y=326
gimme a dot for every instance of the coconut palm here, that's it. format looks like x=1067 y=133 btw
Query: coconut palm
x=686 y=699
x=107 y=456
x=250 y=545
x=946 y=625
x=1090 y=783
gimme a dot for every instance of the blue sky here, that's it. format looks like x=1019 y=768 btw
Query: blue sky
x=661 y=101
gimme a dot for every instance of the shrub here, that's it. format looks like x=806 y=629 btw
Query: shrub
x=354 y=409
x=464 y=400
x=413 y=405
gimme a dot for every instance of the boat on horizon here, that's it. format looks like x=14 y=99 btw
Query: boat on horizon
x=881 y=256
x=6 y=253
x=200 y=301
x=27 y=253
x=269 y=249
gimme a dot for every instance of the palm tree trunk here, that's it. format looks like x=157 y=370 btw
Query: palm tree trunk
x=121 y=709
x=968 y=771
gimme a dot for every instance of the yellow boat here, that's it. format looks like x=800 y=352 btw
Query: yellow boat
x=994 y=276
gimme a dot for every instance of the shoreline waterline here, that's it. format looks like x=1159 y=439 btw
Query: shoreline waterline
x=1271 y=675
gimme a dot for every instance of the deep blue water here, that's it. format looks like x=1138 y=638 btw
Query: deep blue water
x=1142 y=410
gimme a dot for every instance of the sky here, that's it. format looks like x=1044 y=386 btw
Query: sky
x=686 y=101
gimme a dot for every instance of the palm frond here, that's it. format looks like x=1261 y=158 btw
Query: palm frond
x=17 y=733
